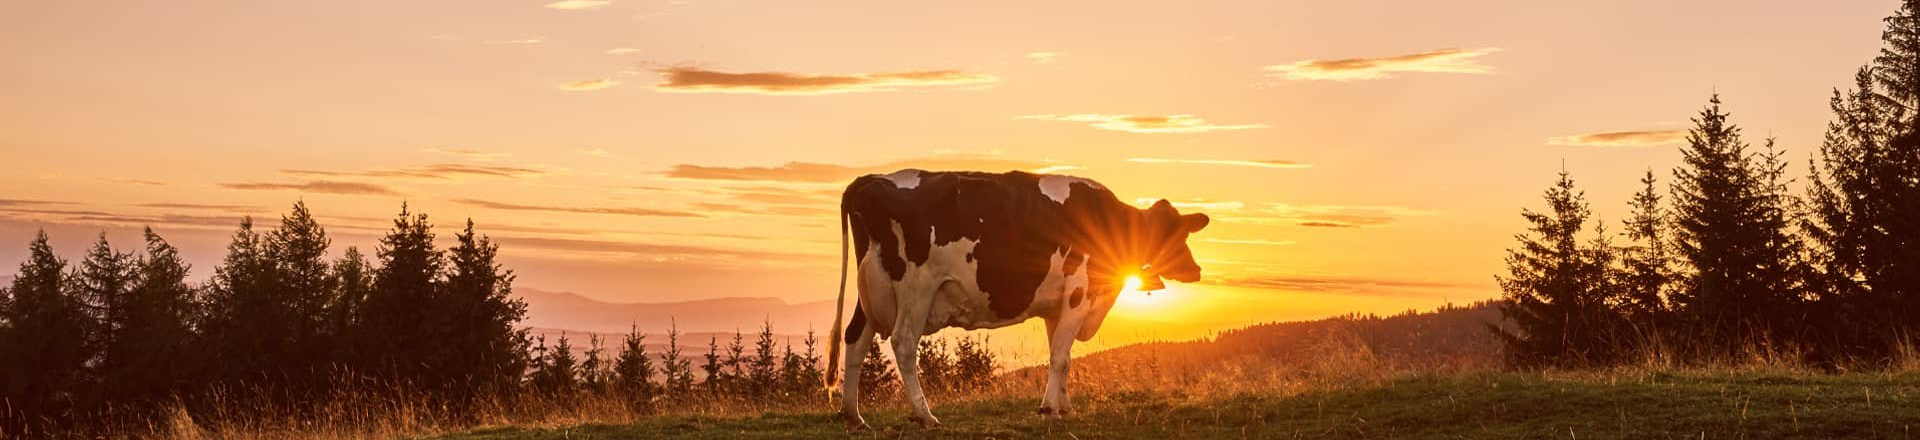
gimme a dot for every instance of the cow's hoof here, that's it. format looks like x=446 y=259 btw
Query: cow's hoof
x=854 y=422
x=928 y=422
x=1053 y=413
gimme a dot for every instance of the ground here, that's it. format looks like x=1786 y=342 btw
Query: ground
x=1455 y=405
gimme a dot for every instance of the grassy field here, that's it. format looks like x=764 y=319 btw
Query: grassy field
x=1453 y=405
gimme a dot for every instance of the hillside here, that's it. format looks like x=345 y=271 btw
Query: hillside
x=1451 y=336
x=1454 y=405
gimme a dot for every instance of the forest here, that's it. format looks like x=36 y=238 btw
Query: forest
x=120 y=338
x=1728 y=260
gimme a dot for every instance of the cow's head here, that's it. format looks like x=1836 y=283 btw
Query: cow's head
x=1161 y=246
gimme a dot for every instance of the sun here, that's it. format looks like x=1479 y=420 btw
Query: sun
x=1131 y=295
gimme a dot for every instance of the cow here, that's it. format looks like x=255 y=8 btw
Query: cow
x=978 y=250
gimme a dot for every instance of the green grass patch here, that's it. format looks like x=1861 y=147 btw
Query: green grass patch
x=1472 y=405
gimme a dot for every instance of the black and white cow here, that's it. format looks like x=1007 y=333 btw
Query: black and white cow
x=979 y=250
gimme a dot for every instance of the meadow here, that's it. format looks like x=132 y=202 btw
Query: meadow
x=1435 y=374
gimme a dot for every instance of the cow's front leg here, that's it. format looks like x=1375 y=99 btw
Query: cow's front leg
x=1055 y=403
x=906 y=345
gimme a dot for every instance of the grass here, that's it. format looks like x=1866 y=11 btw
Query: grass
x=1770 y=405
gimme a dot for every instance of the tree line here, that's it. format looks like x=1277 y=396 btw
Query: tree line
x=1729 y=259
x=279 y=323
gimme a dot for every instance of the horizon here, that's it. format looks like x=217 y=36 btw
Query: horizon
x=626 y=152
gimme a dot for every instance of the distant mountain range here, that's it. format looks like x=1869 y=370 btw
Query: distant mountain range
x=573 y=312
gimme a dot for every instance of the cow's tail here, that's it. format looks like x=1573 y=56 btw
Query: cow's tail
x=833 y=341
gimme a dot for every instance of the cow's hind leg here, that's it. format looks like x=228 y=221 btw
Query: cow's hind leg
x=859 y=339
x=908 y=327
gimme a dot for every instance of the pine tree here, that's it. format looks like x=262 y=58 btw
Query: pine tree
x=791 y=378
x=481 y=340
x=303 y=288
x=811 y=377
x=935 y=365
x=762 y=370
x=105 y=279
x=1732 y=223
x=1865 y=192
x=399 y=324
x=716 y=379
x=974 y=364
x=676 y=370
x=353 y=276
x=142 y=360
x=241 y=317
x=633 y=370
x=1649 y=263
x=877 y=378
x=595 y=369
x=736 y=363
x=559 y=371
x=1557 y=289
x=47 y=341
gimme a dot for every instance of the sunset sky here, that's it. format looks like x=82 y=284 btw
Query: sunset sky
x=1366 y=156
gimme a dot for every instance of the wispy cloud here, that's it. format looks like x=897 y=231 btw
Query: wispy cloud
x=823 y=173
x=1639 y=138
x=1356 y=69
x=533 y=40
x=317 y=186
x=435 y=171
x=1045 y=57
x=622 y=51
x=579 y=4
x=649 y=250
x=231 y=208
x=18 y=202
x=470 y=154
x=1325 y=216
x=643 y=212
x=1211 y=205
x=595 y=152
x=1145 y=124
x=819 y=210
x=697 y=80
x=587 y=85
x=1251 y=241
x=132 y=181
x=1282 y=164
x=1335 y=284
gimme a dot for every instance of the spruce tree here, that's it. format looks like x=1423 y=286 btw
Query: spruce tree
x=353 y=276
x=676 y=370
x=812 y=377
x=762 y=371
x=877 y=378
x=1558 y=289
x=396 y=334
x=1864 y=193
x=160 y=309
x=595 y=369
x=241 y=320
x=1649 y=262
x=716 y=370
x=633 y=369
x=480 y=316
x=303 y=289
x=1732 y=221
x=105 y=279
x=47 y=341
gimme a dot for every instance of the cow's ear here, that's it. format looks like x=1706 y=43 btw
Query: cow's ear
x=1194 y=222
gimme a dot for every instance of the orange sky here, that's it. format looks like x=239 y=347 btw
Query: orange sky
x=1357 y=156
